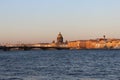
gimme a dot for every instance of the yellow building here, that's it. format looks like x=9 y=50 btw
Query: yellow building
x=79 y=44
x=74 y=44
x=91 y=44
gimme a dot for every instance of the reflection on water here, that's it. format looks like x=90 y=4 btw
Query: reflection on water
x=60 y=65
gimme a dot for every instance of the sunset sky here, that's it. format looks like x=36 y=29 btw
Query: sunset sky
x=31 y=21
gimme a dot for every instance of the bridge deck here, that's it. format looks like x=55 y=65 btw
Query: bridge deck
x=7 y=48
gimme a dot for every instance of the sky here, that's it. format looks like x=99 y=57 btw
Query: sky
x=35 y=21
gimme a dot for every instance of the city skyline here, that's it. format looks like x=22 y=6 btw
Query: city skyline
x=31 y=21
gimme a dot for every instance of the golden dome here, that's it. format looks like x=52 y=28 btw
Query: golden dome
x=59 y=38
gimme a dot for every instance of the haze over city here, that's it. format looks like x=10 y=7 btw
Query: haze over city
x=31 y=21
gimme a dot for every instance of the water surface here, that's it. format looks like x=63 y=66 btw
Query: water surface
x=60 y=65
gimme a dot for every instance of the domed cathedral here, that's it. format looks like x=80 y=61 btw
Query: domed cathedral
x=59 y=38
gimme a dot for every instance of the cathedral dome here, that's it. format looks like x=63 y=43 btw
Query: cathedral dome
x=59 y=35
x=59 y=38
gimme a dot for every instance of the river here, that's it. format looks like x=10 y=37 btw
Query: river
x=60 y=65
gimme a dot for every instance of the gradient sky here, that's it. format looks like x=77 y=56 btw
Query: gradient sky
x=41 y=20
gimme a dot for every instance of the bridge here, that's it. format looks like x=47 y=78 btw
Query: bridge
x=8 y=48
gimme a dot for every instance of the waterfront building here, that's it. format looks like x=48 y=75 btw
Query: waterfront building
x=78 y=44
x=74 y=44
x=91 y=44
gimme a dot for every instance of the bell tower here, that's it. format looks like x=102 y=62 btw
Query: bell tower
x=59 y=38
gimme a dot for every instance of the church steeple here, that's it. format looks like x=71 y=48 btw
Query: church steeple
x=59 y=38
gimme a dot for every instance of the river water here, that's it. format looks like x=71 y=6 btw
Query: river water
x=60 y=65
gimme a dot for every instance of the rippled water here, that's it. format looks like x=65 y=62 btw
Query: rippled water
x=60 y=65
